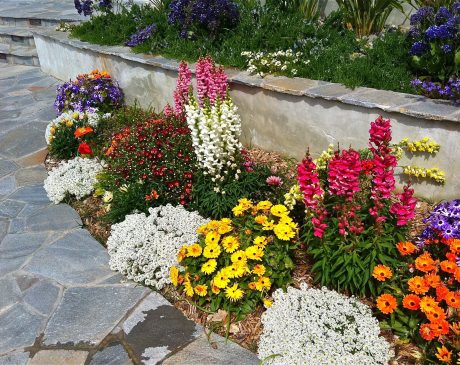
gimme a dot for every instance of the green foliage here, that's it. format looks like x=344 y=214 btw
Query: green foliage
x=436 y=4
x=329 y=51
x=64 y=145
x=368 y=16
x=308 y=8
x=213 y=204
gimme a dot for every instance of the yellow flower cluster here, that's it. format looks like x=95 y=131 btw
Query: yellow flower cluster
x=234 y=259
x=421 y=172
x=67 y=120
x=293 y=196
x=323 y=159
x=424 y=145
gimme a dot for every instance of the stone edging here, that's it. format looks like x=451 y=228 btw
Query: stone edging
x=388 y=101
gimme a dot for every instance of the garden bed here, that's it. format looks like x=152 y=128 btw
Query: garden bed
x=278 y=113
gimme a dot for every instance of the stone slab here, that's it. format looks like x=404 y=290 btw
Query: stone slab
x=7 y=167
x=31 y=175
x=10 y=292
x=7 y=185
x=87 y=314
x=112 y=355
x=17 y=358
x=42 y=297
x=10 y=208
x=59 y=357
x=21 y=142
x=53 y=218
x=31 y=194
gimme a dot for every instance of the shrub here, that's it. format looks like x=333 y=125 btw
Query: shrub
x=92 y=92
x=87 y=7
x=355 y=217
x=313 y=326
x=236 y=262
x=75 y=177
x=144 y=247
x=149 y=163
x=203 y=17
x=425 y=295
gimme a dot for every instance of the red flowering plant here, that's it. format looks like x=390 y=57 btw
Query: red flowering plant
x=150 y=163
x=354 y=216
x=425 y=293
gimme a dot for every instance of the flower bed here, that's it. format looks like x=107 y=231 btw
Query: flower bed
x=231 y=234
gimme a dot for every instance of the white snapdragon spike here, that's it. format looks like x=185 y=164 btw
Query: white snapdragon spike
x=143 y=248
x=74 y=177
x=215 y=132
x=321 y=327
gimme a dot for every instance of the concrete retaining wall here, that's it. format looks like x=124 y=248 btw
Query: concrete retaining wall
x=280 y=114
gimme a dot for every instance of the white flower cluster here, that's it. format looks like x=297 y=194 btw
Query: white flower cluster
x=91 y=118
x=215 y=131
x=312 y=326
x=74 y=177
x=293 y=196
x=261 y=63
x=143 y=248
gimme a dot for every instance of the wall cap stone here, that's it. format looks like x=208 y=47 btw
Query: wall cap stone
x=388 y=101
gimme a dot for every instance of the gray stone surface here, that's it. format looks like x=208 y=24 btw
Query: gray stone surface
x=112 y=355
x=98 y=310
x=42 y=297
x=19 y=328
x=31 y=194
x=17 y=358
x=30 y=175
x=7 y=185
x=10 y=208
x=53 y=218
x=59 y=357
x=10 y=292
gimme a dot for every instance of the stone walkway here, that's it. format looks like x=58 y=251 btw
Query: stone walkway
x=59 y=302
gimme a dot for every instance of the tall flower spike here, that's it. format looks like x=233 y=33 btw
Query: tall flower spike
x=181 y=94
x=212 y=82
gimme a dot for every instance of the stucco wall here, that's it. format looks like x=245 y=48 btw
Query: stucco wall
x=273 y=120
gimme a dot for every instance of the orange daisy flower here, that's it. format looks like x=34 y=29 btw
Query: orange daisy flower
x=79 y=132
x=454 y=244
x=427 y=304
x=426 y=332
x=411 y=301
x=425 y=263
x=441 y=292
x=457 y=274
x=386 y=303
x=444 y=354
x=455 y=327
x=406 y=248
x=382 y=272
x=436 y=315
x=448 y=266
x=451 y=257
x=453 y=299
x=418 y=285
x=433 y=280
x=440 y=328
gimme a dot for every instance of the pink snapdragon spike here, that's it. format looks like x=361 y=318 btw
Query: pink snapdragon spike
x=308 y=179
x=168 y=111
x=343 y=173
x=181 y=94
x=274 y=181
x=212 y=82
x=404 y=210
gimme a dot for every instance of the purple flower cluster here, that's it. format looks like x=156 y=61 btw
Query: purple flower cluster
x=140 y=36
x=86 y=6
x=209 y=15
x=435 y=90
x=87 y=93
x=444 y=221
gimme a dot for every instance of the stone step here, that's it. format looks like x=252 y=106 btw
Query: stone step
x=35 y=21
x=18 y=54
x=16 y=35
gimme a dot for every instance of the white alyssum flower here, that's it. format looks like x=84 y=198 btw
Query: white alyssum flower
x=215 y=131
x=143 y=248
x=272 y=63
x=321 y=327
x=74 y=177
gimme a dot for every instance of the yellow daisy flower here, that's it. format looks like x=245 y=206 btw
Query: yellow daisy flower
x=269 y=225
x=254 y=253
x=261 y=219
x=238 y=257
x=279 y=210
x=260 y=241
x=245 y=203
x=225 y=226
x=263 y=283
x=238 y=211
x=264 y=205
x=212 y=251
x=233 y=293
x=214 y=289
x=209 y=266
x=267 y=303
x=221 y=280
x=182 y=254
x=188 y=289
x=259 y=269
x=283 y=232
x=234 y=271
x=212 y=238
x=201 y=290
x=174 y=275
x=194 y=250
x=230 y=244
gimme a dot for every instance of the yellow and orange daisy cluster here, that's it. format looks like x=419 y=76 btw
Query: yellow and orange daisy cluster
x=95 y=74
x=433 y=291
x=234 y=260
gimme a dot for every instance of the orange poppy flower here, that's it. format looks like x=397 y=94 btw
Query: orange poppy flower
x=418 y=285
x=453 y=299
x=454 y=245
x=436 y=315
x=80 y=132
x=440 y=328
x=441 y=292
x=406 y=248
x=386 y=303
x=426 y=332
x=425 y=263
x=433 y=280
x=382 y=272
x=448 y=266
x=444 y=354
x=427 y=304
x=411 y=301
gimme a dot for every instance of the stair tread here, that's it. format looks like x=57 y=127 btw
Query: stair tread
x=15 y=30
x=18 y=50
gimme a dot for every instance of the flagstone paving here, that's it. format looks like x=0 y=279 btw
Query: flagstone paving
x=59 y=302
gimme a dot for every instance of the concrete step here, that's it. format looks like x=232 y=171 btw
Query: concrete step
x=18 y=54
x=16 y=35
x=34 y=21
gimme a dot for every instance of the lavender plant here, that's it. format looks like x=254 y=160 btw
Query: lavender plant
x=140 y=36
x=87 y=7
